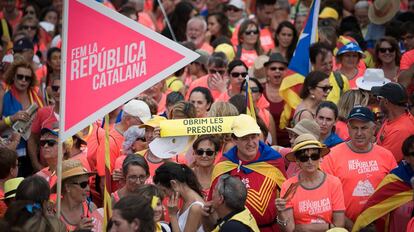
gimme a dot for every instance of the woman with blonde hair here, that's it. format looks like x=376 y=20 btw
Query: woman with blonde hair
x=348 y=100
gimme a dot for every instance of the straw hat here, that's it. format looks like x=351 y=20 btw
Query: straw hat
x=382 y=11
x=306 y=126
x=10 y=187
x=306 y=141
x=72 y=168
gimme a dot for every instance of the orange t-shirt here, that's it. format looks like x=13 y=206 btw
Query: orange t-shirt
x=3 y=206
x=95 y=140
x=341 y=129
x=360 y=173
x=248 y=57
x=407 y=60
x=314 y=206
x=393 y=133
x=115 y=150
x=203 y=82
x=266 y=39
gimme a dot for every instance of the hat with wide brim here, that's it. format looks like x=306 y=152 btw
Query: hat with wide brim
x=306 y=141
x=373 y=77
x=382 y=11
x=72 y=168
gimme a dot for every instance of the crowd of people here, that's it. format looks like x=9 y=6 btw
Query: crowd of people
x=343 y=162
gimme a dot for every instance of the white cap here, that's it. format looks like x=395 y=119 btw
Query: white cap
x=168 y=147
x=373 y=77
x=138 y=108
x=239 y=4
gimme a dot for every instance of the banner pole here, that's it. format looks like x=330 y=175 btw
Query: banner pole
x=167 y=21
x=59 y=178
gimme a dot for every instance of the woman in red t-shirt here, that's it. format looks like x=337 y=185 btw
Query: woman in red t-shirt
x=312 y=200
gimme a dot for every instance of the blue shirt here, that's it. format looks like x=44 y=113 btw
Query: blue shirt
x=332 y=140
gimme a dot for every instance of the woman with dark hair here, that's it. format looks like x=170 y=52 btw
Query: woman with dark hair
x=249 y=47
x=314 y=90
x=326 y=116
x=135 y=172
x=8 y=170
x=179 y=182
x=183 y=11
x=257 y=93
x=202 y=99
x=285 y=39
x=205 y=149
x=132 y=214
x=49 y=72
x=387 y=57
x=217 y=26
x=237 y=71
x=35 y=189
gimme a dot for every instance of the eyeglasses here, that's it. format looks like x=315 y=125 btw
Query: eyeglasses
x=325 y=89
x=22 y=77
x=26 y=27
x=83 y=184
x=384 y=50
x=237 y=74
x=201 y=152
x=277 y=68
x=49 y=142
x=134 y=178
x=305 y=158
x=55 y=88
x=221 y=72
x=255 y=32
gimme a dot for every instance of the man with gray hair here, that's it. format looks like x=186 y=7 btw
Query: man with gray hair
x=358 y=163
x=227 y=204
x=361 y=14
x=196 y=31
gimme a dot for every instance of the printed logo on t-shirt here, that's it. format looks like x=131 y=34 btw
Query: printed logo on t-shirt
x=246 y=182
x=363 y=189
x=363 y=166
x=315 y=207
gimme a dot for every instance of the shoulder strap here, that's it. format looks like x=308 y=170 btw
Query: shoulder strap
x=339 y=81
x=239 y=51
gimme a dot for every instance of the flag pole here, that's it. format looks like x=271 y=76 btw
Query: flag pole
x=107 y=190
x=166 y=20
x=59 y=178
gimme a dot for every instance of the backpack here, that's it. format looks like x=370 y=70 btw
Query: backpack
x=339 y=81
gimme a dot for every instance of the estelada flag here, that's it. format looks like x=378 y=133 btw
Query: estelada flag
x=393 y=191
x=249 y=100
x=299 y=65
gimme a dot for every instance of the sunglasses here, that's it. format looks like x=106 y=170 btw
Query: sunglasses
x=237 y=74
x=384 y=50
x=55 y=88
x=22 y=77
x=221 y=72
x=325 y=88
x=305 y=158
x=277 y=68
x=255 y=32
x=26 y=27
x=82 y=184
x=253 y=89
x=200 y=152
x=141 y=139
x=49 y=142
x=234 y=9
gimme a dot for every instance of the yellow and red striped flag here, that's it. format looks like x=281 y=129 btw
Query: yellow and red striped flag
x=299 y=65
x=249 y=100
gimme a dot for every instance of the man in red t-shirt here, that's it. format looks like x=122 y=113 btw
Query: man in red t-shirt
x=358 y=163
x=399 y=123
x=258 y=166
x=407 y=36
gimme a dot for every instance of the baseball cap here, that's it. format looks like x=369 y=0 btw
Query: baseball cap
x=53 y=131
x=243 y=125
x=393 y=92
x=153 y=122
x=23 y=44
x=329 y=12
x=361 y=113
x=138 y=108
x=239 y=4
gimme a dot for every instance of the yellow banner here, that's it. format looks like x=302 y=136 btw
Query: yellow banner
x=196 y=126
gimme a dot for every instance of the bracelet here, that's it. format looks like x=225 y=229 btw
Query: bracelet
x=8 y=121
x=280 y=222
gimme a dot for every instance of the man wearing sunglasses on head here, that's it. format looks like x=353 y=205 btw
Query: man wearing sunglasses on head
x=258 y=166
x=358 y=163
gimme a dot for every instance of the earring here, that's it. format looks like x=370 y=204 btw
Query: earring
x=312 y=96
